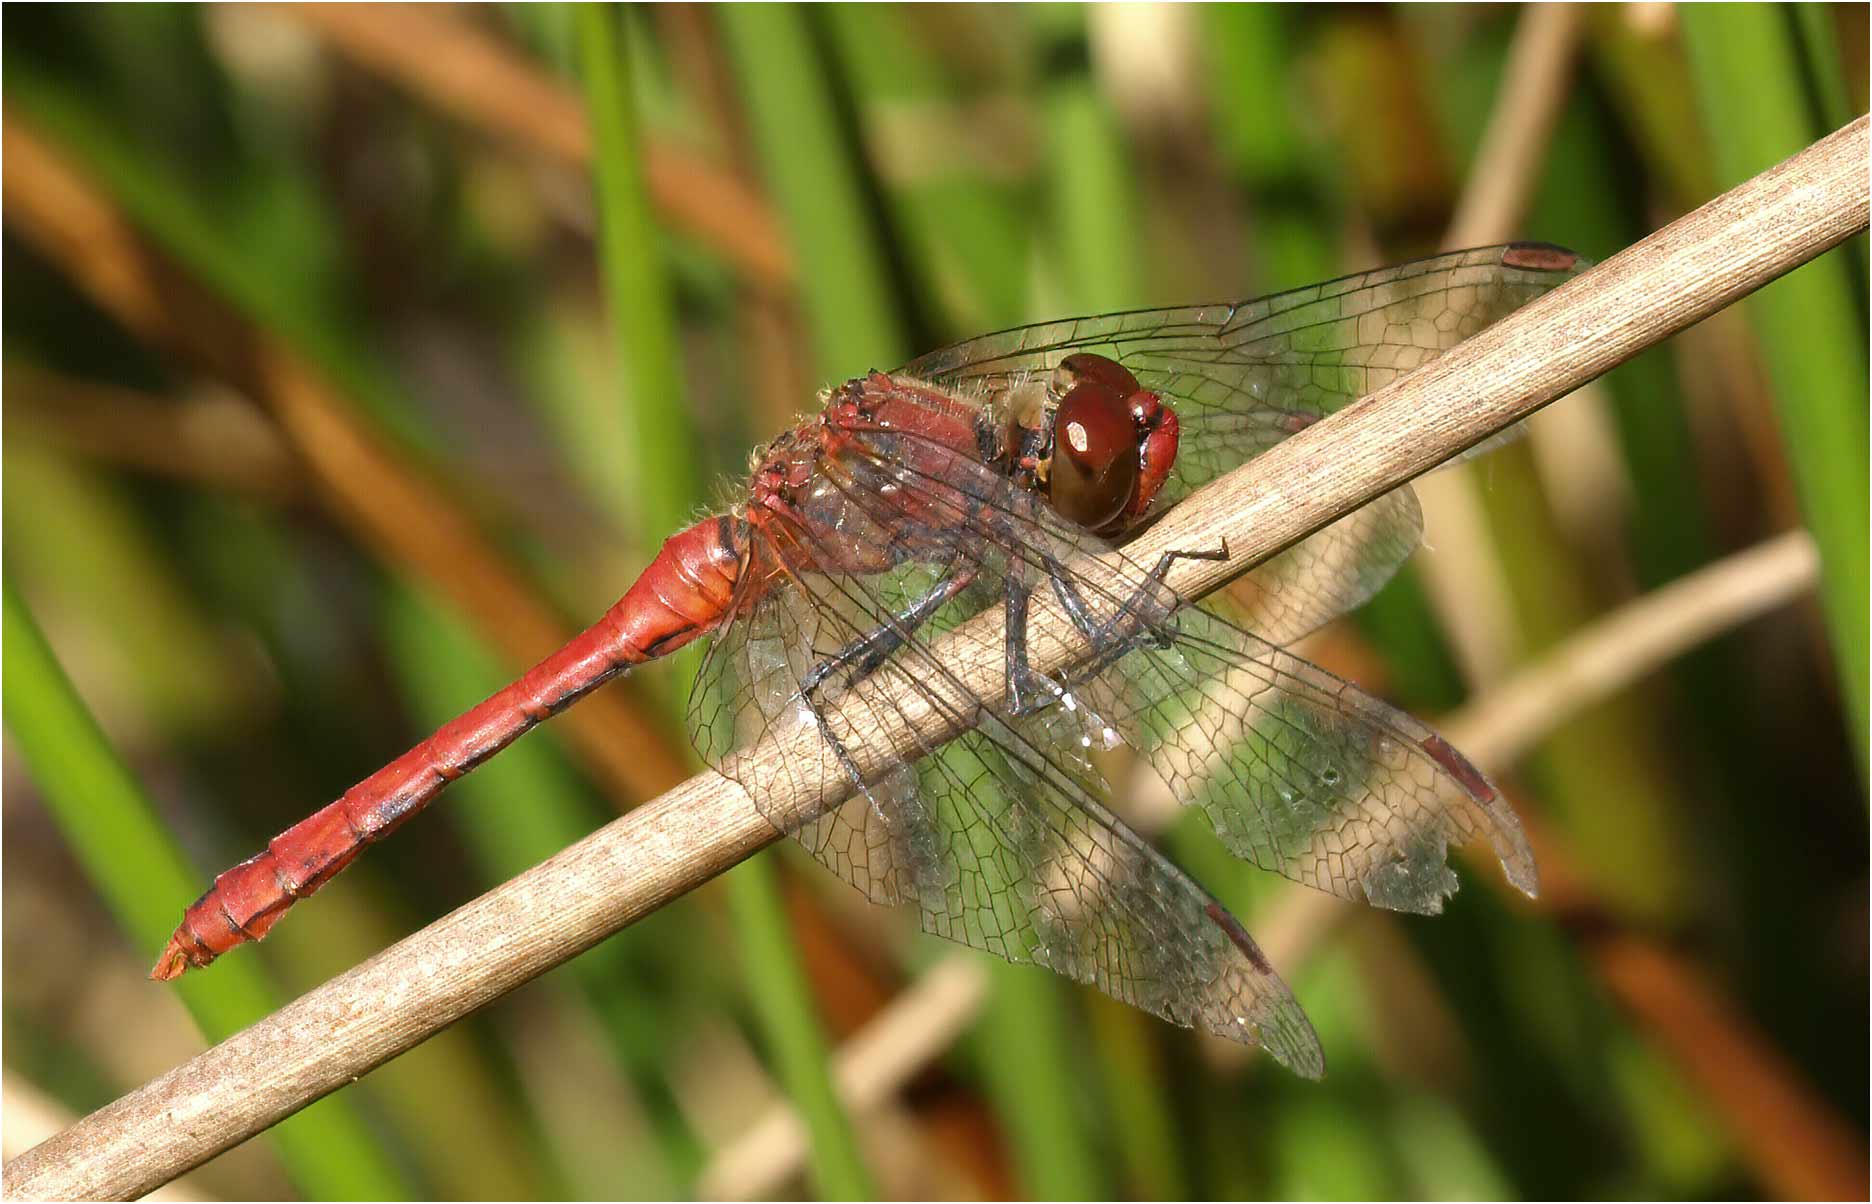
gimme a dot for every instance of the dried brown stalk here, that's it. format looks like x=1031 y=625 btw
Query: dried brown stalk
x=870 y=1069
x=32 y=1116
x=391 y=505
x=1589 y=666
x=539 y=919
x=1800 y=1147
x=1464 y=576
x=475 y=77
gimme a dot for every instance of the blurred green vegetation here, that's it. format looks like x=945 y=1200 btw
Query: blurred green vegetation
x=546 y=314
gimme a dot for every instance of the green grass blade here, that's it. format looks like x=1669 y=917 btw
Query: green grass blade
x=1818 y=30
x=1026 y=1054
x=636 y=284
x=1747 y=71
x=516 y=811
x=135 y=867
x=642 y=316
x=962 y=219
x=664 y=469
x=789 y=1017
x=811 y=176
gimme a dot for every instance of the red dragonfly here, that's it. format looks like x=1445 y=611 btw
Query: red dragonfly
x=969 y=479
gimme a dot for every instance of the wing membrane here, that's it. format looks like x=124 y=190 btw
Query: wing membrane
x=1241 y=375
x=1298 y=771
x=1303 y=773
x=1332 y=571
x=999 y=839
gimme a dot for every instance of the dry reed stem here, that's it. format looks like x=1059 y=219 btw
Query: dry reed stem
x=1494 y=730
x=870 y=1069
x=1598 y=661
x=1514 y=145
x=1796 y=1143
x=484 y=82
x=207 y=437
x=541 y=918
x=1799 y=1146
x=1461 y=573
x=32 y=1116
x=392 y=506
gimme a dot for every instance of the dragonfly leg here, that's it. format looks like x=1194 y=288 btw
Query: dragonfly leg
x=1132 y=608
x=863 y=655
x=1028 y=690
x=1024 y=684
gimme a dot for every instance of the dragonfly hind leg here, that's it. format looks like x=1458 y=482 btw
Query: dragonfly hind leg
x=866 y=653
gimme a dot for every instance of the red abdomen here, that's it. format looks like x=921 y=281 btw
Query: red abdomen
x=684 y=593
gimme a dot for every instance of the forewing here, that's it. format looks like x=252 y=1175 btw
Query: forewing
x=1299 y=771
x=1242 y=375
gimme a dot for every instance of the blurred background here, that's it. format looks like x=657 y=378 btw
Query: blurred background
x=355 y=356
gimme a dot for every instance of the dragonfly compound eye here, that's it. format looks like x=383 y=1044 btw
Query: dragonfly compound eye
x=1085 y=368
x=1095 y=457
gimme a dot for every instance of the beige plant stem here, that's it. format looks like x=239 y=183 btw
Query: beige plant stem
x=1502 y=724
x=1514 y=145
x=208 y=436
x=870 y=1069
x=32 y=1116
x=539 y=919
x=1461 y=572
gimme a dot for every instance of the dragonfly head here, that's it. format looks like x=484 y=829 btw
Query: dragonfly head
x=1114 y=444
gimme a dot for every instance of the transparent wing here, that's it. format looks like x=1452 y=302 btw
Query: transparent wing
x=1303 y=773
x=999 y=837
x=1332 y=571
x=1297 y=770
x=1242 y=375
